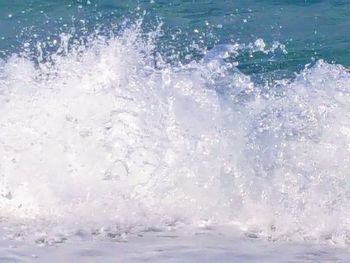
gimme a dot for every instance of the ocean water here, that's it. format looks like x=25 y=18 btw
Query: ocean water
x=120 y=118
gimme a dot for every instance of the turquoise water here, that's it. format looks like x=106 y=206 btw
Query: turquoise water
x=310 y=30
x=121 y=117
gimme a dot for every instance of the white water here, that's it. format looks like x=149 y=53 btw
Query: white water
x=99 y=141
x=222 y=245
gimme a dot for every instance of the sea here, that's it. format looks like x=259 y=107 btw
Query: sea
x=174 y=131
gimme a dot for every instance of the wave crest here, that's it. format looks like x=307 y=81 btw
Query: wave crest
x=99 y=138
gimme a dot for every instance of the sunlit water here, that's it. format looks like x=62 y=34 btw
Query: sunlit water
x=123 y=119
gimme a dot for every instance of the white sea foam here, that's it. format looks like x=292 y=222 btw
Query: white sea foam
x=99 y=141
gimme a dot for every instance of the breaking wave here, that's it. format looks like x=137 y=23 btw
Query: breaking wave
x=106 y=139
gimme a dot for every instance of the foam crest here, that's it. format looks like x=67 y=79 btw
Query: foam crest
x=100 y=136
x=98 y=139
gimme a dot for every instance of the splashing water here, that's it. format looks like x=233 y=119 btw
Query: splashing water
x=101 y=139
